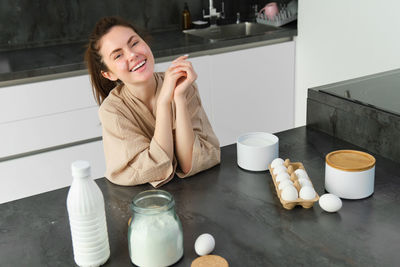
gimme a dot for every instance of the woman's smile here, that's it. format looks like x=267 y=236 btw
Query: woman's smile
x=139 y=66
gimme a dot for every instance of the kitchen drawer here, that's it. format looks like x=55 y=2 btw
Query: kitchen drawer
x=44 y=132
x=48 y=171
x=43 y=98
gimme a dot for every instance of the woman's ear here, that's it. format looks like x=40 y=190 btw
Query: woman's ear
x=109 y=75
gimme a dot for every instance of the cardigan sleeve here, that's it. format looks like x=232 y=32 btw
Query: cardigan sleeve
x=206 y=150
x=131 y=157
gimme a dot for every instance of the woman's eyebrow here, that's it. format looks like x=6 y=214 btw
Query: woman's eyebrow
x=119 y=49
x=115 y=51
x=130 y=39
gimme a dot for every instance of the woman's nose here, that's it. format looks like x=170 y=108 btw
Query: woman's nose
x=132 y=55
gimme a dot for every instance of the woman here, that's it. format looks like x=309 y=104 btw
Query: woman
x=153 y=123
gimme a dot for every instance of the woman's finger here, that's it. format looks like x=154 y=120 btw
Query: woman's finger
x=180 y=58
x=180 y=64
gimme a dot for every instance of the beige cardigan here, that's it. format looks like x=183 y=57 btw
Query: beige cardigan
x=133 y=156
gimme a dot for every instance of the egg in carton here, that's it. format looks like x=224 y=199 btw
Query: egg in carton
x=292 y=184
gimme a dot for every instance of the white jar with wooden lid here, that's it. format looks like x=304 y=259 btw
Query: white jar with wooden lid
x=350 y=174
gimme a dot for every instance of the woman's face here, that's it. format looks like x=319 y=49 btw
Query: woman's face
x=126 y=55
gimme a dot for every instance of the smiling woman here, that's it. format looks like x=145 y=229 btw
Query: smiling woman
x=153 y=123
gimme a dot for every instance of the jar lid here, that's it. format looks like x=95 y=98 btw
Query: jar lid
x=152 y=202
x=350 y=160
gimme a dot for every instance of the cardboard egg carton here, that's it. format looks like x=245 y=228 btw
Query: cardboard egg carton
x=291 y=168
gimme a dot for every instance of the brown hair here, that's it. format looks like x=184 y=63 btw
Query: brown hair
x=101 y=86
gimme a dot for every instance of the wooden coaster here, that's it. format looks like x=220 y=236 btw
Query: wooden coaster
x=209 y=261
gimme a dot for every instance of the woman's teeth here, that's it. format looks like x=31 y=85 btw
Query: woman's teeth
x=138 y=65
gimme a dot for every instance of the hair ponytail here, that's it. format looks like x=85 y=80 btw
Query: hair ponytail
x=101 y=86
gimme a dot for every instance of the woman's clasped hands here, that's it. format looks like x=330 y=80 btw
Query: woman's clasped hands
x=178 y=78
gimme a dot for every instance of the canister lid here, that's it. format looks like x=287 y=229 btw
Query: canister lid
x=350 y=160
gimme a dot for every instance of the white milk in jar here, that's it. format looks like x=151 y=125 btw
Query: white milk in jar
x=155 y=233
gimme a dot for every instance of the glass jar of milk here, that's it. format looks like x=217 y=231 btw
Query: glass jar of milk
x=155 y=233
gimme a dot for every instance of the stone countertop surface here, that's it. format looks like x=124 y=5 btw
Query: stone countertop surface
x=364 y=111
x=19 y=66
x=238 y=207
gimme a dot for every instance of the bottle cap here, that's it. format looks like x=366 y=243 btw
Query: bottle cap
x=80 y=168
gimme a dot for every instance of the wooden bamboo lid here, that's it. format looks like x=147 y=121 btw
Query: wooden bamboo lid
x=350 y=160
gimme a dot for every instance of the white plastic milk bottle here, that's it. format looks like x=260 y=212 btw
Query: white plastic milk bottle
x=85 y=204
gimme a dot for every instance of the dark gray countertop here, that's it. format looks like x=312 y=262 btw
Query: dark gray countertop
x=380 y=91
x=364 y=111
x=239 y=208
x=17 y=65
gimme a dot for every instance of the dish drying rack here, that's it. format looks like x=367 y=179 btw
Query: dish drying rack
x=283 y=17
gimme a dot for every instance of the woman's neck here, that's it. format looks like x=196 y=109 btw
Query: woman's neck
x=145 y=91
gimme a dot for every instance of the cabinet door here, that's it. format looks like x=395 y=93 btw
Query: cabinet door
x=45 y=132
x=38 y=116
x=252 y=90
x=48 y=171
x=33 y=100
x=201 y=66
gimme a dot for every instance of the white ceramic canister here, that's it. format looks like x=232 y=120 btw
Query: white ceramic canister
x=256 y=150
x=350 y=174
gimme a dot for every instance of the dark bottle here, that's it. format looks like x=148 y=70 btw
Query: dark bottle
x=186 y=21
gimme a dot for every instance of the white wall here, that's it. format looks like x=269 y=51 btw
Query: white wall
x=339 y=40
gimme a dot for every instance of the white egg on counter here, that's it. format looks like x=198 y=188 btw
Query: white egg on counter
x=304 y=182
x=204 y=244
x=284 y=183
x=330 y=203
x=289 y=193
x=277 y=162
x=301 y=174
x=282 y=176
x=307 y=193
x=278 y=169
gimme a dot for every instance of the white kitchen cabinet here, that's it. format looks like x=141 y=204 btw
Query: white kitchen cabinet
x=36 y=118
x=252 y=90
x=31 y=175
x=41 y=115
x=31 y=100
x=47 y=132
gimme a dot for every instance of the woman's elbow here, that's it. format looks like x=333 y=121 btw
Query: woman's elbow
x=186 y=167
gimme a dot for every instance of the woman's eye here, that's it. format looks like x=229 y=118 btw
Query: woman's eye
x=117 y=56
x=134 y=43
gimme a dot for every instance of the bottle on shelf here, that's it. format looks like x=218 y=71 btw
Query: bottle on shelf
x=186 y=20
x=86 y=212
